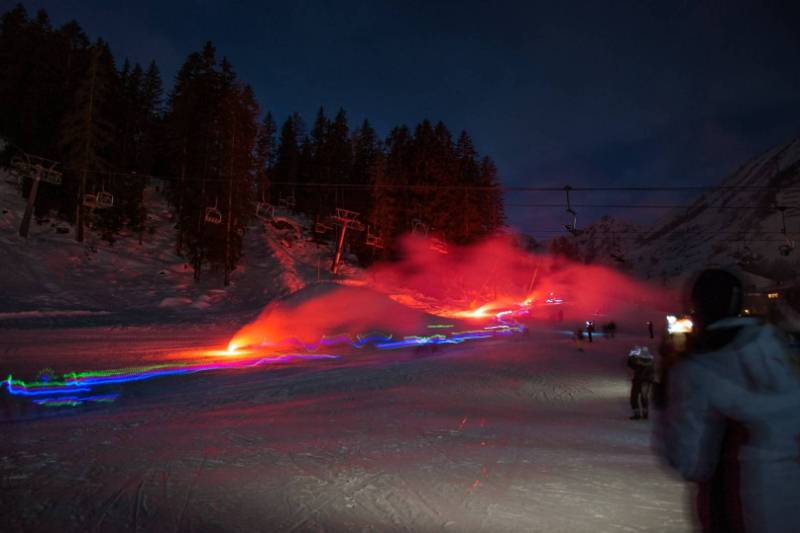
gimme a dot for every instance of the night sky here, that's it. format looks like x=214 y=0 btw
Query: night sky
x=587 y=93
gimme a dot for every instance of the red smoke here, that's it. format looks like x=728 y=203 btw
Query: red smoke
x=477 y=281
x=499 y=273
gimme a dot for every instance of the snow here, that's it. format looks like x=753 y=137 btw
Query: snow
x=46 y=314
x=520 y=434
x=509 y=434
x=50 y=271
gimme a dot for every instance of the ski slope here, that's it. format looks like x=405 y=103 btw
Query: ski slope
x=515 y=434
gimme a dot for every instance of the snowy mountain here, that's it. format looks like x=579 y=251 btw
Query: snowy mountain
x=737 y=225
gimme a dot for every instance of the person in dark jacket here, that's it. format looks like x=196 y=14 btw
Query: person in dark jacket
x=731 y=420
x=640 y=360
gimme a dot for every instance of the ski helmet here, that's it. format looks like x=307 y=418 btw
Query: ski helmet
x=715 y=294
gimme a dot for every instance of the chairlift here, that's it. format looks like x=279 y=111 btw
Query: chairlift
x=90 y=201
x=19 y=168
x=345 y=217
x=34 y=167
x=374 y=240
x=787 y=247
x=419 y=228
x=573 y=227
x=213 y=215
x=14 y=177
x=438 y=245
x=265 y=211
x=104 y=200
x=321 y=228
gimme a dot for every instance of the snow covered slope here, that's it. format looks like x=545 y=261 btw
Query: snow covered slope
x=50 y=274
x=734 y=226
x=518 y=434
x=723 y=227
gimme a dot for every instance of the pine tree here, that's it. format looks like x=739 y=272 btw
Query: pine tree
x=365 y=150
x=340 y=151
x=390 y=176
x=192 y=126
x=444 y=177
x=266 y=152
x=317 y=200
x=214 y=135
x=468 y=173
x=492 y=197
x=239 y=169
x=288 y=158
x=87 y=135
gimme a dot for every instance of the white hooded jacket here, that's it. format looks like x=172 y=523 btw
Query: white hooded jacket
x=755 y=381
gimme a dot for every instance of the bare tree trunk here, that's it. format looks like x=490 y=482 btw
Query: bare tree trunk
x=87 y=146
x=229 y=221
x=179 y=242
x=26 y=218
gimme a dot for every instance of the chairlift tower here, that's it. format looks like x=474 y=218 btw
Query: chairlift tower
x=346 y=219
x=38 y=169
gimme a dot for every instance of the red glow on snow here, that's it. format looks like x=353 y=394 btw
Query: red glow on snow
x=327 y=310
x=473 y=283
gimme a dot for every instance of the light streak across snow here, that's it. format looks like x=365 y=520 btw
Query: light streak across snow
x=78 y=388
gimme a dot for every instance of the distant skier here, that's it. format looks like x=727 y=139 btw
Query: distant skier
x=650 y=329
x=640 y=360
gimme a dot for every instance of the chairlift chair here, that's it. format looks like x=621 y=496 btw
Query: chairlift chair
x=787 y=247
x=438 y=244
x=419 y=228
x=321 y=228
x=573 y=227
x=374 y=240
x=265 y=211
x=90 y=201
x=104 y=200
x=213 y=215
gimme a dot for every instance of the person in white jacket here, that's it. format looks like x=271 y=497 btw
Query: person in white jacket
x=732 y=415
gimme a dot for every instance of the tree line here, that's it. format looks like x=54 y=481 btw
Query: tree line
x=63 y=97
